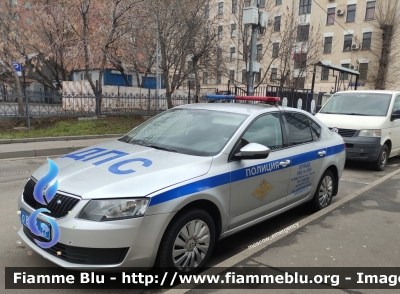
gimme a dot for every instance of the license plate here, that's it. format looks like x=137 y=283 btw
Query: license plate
x=43 y=227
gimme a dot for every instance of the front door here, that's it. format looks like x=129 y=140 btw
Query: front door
x=259 y=186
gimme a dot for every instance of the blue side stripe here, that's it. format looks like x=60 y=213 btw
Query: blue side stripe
x=335 y=149
x=236 y=175
x=191 y=188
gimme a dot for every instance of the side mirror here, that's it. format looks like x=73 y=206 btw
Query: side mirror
x=253 y=151
x=394 y=116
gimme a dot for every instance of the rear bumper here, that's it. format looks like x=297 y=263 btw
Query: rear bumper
x=362 y=148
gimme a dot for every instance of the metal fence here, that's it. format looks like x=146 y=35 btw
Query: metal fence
x=40 y=104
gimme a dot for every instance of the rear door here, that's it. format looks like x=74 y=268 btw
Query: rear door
x=308 y=155
x=259 y=186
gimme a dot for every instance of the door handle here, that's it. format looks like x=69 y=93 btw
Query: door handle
x=284 y=163
x=322 y=153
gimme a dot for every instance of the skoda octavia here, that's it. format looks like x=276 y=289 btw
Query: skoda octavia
x=165 y=192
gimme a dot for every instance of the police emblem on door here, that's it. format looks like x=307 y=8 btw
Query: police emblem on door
x=262 y=190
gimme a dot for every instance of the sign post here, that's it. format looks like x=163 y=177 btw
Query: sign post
x=20 y=72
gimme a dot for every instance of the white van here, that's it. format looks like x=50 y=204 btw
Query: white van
x=368 y=121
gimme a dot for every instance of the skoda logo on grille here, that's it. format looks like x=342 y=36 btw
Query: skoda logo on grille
x=335 y=130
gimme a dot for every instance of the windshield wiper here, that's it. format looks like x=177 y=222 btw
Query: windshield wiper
x=356 y=114
x=124 y=139
x=161 y=148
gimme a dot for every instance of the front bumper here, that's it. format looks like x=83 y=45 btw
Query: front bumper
x=363 y=148
x=93 y=245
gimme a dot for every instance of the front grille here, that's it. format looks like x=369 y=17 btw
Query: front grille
x=347 y=132
x=59 y=205
x=82 y=255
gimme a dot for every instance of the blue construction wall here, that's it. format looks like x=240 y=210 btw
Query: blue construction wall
x=112 y=79
x=151 y=83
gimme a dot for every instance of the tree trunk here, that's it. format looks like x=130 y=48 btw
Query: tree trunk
x=18 y=88
x=387 y=35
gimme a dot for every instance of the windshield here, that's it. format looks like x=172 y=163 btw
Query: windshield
x=366 y=104
x=189 y=131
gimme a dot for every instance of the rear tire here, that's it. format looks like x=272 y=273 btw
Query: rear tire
x=381 y=162
x=323 y=195
x=188 y=242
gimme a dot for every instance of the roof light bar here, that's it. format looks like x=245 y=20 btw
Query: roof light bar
x=246 y=98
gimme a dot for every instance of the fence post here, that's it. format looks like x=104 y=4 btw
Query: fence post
x=189 y=93
x=26 y=101
x=148 y=102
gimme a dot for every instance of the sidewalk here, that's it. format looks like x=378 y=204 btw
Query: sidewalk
x=49 y=146
x=361 y=232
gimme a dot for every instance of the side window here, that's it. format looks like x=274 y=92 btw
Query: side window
x=396 y=106
x=315 y=130
x=265 y=130
x=299 y=128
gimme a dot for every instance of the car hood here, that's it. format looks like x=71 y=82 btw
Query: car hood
x=91 y=181
x=354 y=122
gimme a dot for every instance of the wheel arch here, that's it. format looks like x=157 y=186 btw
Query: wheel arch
x=335 y=172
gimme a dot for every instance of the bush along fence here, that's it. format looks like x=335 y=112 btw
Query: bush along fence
x=39 y=104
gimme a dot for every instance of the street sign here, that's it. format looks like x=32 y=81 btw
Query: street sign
x=18 y=68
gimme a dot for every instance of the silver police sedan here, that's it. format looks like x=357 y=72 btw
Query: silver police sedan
x=164 y=193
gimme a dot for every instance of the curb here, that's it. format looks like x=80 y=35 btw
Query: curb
x=40 y=152
x=64 y=138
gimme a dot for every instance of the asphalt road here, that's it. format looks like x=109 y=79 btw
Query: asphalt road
x=14 y=174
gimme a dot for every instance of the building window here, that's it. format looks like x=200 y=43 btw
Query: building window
x=234 y=6
x=345 y=75
x=207 y=10
x=205 y=78
x=247 y=3
x=232 y=75
x=233 y=53
x=348 y=39
x=330 y=20
x=259 y=51
x=233 y=30
x=278 y=2
x=218 y=80
x=305 y=7
x=12 y=2
x=367 y=39
x=261 y=3
x=328 y=45
x=275 y=49
x=351 y=13
x=277 y=24
x=28 y=20
x=325 y=74
x=220 y=32
x=220 y=8
x=363 y=69
x=300 y=61
x=257 y=76
x=219 y=54
x=27 y=5
x=274 y=74
x=244 y=76
x=302 y=33
x=370 y=13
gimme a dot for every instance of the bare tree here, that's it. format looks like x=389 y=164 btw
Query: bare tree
x=385 y=73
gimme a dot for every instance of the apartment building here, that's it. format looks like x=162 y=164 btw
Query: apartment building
x=299 y=34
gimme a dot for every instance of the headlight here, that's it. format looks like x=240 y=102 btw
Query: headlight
x=370 y=133
x=113 y=209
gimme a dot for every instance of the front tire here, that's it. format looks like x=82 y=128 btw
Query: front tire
x=323 y=195
x=381 y=162
x=188 y=242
